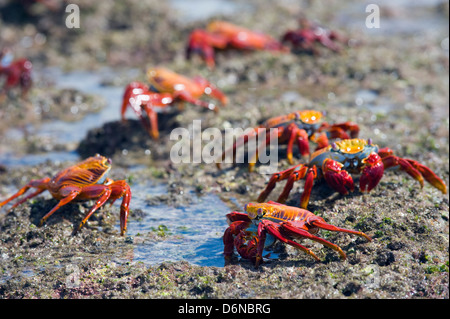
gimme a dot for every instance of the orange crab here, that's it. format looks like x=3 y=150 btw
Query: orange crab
x=81 y=182
x=222 y=35
x=17 y=72
x=263 y=223
x=335 y=163
x=166 y=87
x=298 y=127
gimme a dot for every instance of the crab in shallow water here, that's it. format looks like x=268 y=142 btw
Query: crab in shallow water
x=337 y=161
x=17 y=72
x=166 y=88
x=223 y=35
x=299 y=127
x=81 y=182
x=248 y=232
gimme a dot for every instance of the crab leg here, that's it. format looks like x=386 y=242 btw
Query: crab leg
x=72 y=193
x=302 y=140
x=336 y=131
x=326 y=42
x=429 y=176
x=326 y=226
x=279 y=177
x=120 y=189
x=413 y=168
x=153 y=120
x=242 y=140
x=40 y=184
x=203 y=43
x=132 y=90
x=273 y=229
x=310 y=173
x=303 y=233
x=186 y=96
x=212 y=90
x=138 y=97
x=262 y=147
x=102 y=193
x=321 y=139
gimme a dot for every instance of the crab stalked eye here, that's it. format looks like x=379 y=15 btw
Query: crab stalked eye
x=369 y=141
x=260 y=212
x=334 y=146
x=245 y=207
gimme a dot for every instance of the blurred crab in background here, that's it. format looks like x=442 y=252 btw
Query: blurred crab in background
x=299 y=127
x=81 y=182
x=17 y=72
x=309 y=34
x=166 y=87
x=222 y=35
x=337 y=161
x=263 y=223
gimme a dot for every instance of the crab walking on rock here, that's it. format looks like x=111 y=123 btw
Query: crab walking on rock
x=81 y=182
x=337 y=161
x=248 y=231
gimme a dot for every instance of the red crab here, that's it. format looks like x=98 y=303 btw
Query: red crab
x=356 y=156
x=250 y=232
x=81 y=182
x=305 y=38
x=17 y=72
x=222 y=35
x=298 y=127
x=166 y=87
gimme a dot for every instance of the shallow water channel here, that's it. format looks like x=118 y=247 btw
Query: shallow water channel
x=195 y=230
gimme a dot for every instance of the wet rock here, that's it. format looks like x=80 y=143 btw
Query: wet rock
x=119 y=137
x=395 y=245
x=385 y=258
x=351 y=288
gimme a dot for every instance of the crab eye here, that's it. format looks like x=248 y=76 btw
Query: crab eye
x=369 y=141
x=245 y=207
x=334 y=146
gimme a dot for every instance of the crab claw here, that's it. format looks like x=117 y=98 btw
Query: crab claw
x=246 y=243
x=336 y=178
x=372 y=172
